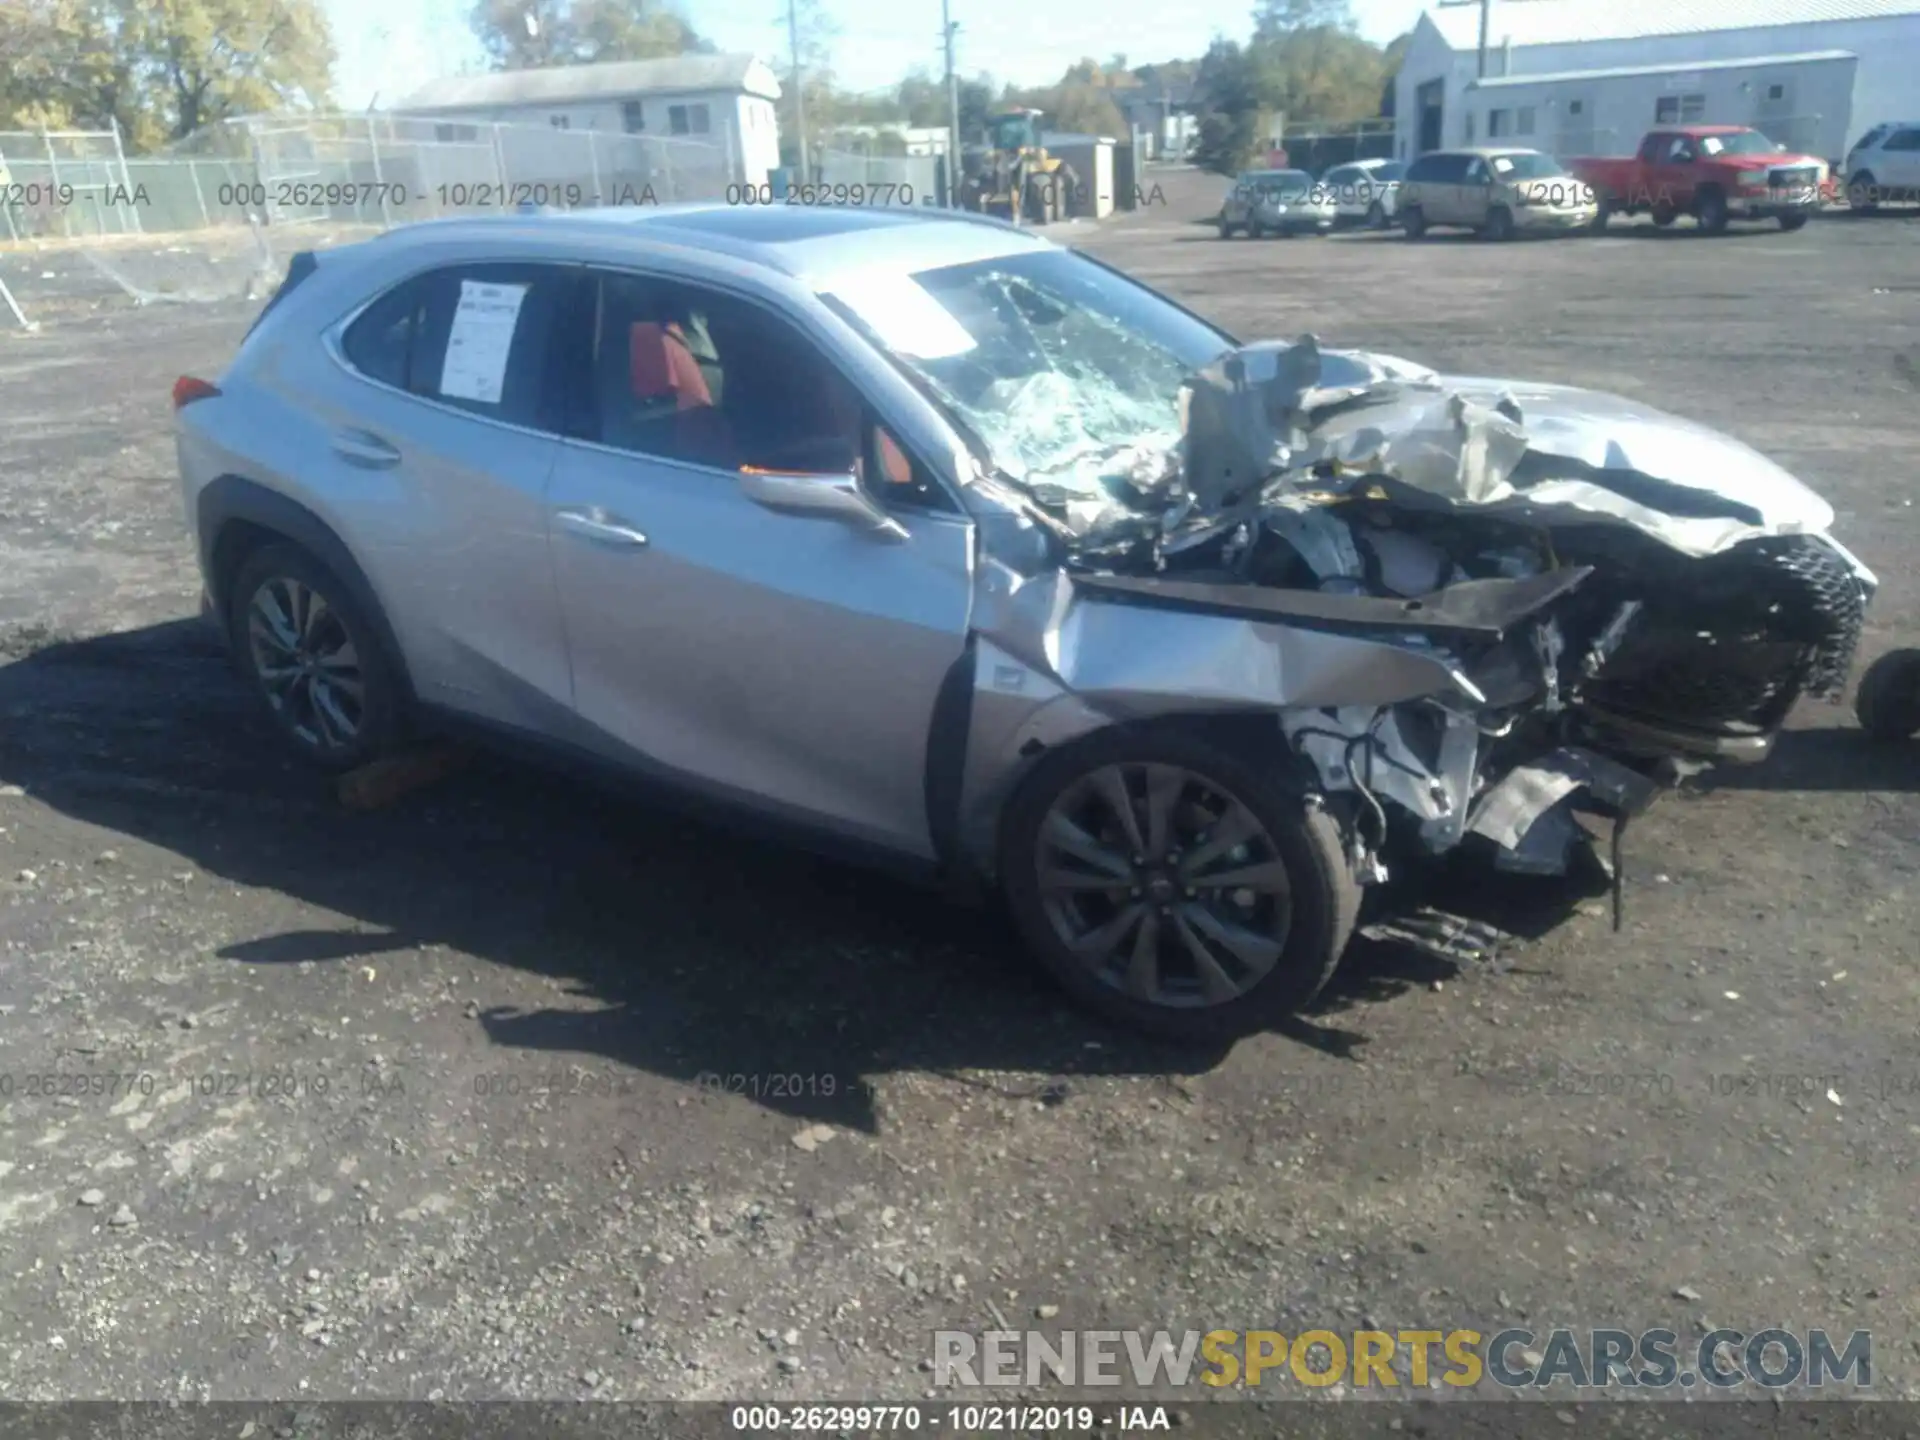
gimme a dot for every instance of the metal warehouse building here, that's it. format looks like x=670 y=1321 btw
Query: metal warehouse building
x=1589 y=76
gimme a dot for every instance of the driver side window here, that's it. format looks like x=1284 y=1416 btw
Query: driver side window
x=696 y=376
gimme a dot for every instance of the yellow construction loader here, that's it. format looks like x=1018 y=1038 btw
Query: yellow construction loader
x=1013 y=177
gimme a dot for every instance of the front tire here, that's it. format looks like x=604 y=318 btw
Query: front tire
x=1413 y=222
x=1376 y=216
x=314 y=660
x=1793 y=222
x=1499 y=224
x=1173 y=887
x=1888 y=701
x=1863 y=193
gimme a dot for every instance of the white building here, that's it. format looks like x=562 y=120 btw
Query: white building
x=722 y=101
x=1589 y=76
x=915 y=140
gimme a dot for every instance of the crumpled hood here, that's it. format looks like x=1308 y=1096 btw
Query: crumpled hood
x=1286 y=425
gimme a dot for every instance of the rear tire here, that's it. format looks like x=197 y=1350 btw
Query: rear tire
x=1793 y=222
x=1376 y=216
x=1180 y=959
x=1226 y=230
x=1603 y=213
x=314 y=660
x=1413 y=222
x=1888 y=701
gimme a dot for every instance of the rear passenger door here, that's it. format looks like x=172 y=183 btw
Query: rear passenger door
x=444 y=430
x=787 y=660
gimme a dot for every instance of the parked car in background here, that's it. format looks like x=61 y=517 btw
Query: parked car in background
x=1884 y=167
x=1365 y=191
x=1497 y=192
x=1278 y=202
x=1715 y=173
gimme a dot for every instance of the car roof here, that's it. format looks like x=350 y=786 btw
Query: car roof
x=1700 y=129
x=1483 y=151
x=809 y=242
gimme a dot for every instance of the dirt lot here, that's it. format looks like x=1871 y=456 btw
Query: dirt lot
x=420 y=1102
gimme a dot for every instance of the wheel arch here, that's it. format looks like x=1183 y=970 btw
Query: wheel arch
x=1066 y=723
x=237 y=516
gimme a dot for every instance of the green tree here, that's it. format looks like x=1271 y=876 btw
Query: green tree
x=218 y=59
x=161 y=71
x=1232 y=86
x=526 y=34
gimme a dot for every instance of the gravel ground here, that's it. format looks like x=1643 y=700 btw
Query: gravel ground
x=423 y=1102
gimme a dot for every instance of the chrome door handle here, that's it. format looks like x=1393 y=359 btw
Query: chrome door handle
x=601 y=528
x=367 y=450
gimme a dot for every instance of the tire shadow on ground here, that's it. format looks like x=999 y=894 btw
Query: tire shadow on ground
x=685 y=949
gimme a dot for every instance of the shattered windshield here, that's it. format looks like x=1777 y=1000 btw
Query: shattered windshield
x=1067 y=372
x=1743 y=142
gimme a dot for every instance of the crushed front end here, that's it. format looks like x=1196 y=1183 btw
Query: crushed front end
x=1475 y=610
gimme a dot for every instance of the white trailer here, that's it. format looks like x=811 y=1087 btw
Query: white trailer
x=1804 y=102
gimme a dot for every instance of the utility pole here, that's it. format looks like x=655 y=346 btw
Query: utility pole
x=799 y=87
x=947 y=29
x=1486 y=15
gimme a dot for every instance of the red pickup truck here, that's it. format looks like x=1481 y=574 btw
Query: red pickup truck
x=1714 y=173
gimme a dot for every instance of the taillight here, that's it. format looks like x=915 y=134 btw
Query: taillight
x=189 y=388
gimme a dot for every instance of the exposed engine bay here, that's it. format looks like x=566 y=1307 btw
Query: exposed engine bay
x=1478 y=608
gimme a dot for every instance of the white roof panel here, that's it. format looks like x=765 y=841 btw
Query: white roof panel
x=1562 y=22
x=563 y=84
x=1683 y=67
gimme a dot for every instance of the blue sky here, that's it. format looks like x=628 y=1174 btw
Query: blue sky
x=389 y=47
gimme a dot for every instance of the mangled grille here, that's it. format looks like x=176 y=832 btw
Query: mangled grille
x=1739 y=641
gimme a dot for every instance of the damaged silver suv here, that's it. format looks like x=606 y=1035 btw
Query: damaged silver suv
x=921 y=535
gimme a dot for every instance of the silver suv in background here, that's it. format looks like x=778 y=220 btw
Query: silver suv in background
x=1883 y=168
x=1277 y=202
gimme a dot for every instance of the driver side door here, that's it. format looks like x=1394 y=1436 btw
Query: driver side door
x=787 y=661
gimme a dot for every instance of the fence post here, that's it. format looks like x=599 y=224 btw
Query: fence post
x=53 y=180
x=200 y=195
x=126 y=180
x=379 y=183
x=6 y=211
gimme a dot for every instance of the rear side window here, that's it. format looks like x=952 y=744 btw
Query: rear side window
x=1905 y=140
x=477 y=337
x=379 y=342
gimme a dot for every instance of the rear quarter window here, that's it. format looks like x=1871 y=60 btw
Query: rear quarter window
x=477 y=337
x=379 y=343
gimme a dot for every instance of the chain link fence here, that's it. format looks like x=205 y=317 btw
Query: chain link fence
x=217 y=215
x=881 y=179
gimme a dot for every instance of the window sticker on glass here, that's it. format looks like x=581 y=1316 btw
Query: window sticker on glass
x=480 y=341
x=1502 y=164
x=905 y=316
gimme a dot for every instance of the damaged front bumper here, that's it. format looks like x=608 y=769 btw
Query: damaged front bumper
x=1471 y=611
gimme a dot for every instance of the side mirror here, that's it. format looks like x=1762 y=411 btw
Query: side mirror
x=825 y=497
